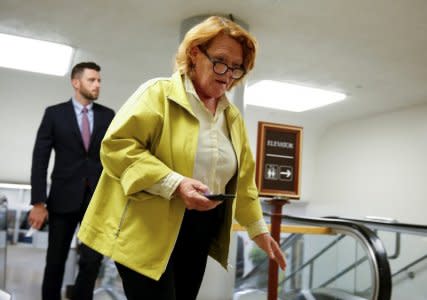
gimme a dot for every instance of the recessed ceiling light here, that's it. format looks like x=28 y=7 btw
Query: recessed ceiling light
x=34 y=55
x=287 y=96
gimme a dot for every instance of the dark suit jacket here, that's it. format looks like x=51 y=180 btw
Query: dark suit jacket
x=74 y=168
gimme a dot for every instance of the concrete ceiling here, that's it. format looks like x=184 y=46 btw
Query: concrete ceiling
x=374 y=51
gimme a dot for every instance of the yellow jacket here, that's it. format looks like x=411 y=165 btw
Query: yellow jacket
x=154 y=133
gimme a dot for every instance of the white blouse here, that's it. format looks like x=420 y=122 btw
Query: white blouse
x=215 y=162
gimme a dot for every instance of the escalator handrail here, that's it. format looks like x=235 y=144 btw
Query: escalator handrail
x=376 y=251
x=398 y=228
x=410 y=228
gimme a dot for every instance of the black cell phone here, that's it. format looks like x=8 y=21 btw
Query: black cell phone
x=220 y=197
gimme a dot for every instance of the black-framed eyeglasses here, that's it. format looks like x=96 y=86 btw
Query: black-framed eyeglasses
x=221 y=68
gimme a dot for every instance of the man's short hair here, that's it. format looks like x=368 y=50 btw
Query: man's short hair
x=80 y=67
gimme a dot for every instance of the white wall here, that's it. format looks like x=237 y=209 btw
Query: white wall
x=23 y=98
x=310 y=139
x=374 y=166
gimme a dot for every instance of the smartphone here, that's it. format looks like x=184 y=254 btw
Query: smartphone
x=220 y=197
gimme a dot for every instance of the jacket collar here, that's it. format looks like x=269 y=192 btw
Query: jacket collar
x=74 y=123
x=78 y=106
x=178 y=94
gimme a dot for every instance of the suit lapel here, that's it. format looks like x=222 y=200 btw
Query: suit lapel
x=72 y=120
x=96 y=123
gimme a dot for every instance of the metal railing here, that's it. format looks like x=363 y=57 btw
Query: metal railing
x=3 y=240
x=375 y=251
x=400 y=230
x=375 y=254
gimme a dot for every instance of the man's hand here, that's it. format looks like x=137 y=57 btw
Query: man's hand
x=271 y=248
x=38 y=216
x=191 y=192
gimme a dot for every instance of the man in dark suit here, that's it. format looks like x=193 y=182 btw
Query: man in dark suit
x=74 y=130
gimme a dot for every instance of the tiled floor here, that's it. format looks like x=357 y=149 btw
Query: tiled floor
x=25 y=264
x=25 y=271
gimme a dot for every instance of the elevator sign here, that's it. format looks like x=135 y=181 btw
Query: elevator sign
x=278 y=160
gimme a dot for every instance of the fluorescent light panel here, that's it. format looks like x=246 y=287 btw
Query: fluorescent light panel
x=290 y=97
x=15 y=186
x=34 y=55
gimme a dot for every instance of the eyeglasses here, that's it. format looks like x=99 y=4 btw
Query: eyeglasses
x=221 y=68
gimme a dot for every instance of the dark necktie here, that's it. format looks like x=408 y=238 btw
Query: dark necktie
x=85 y=128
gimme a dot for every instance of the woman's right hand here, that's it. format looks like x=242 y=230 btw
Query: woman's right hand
x=192 y=192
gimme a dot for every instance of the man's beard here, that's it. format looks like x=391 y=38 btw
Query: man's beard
x=88 y=95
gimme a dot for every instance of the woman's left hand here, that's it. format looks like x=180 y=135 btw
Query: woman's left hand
x=266 y=242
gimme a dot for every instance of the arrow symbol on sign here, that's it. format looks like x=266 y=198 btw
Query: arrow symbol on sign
x=288 y=173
